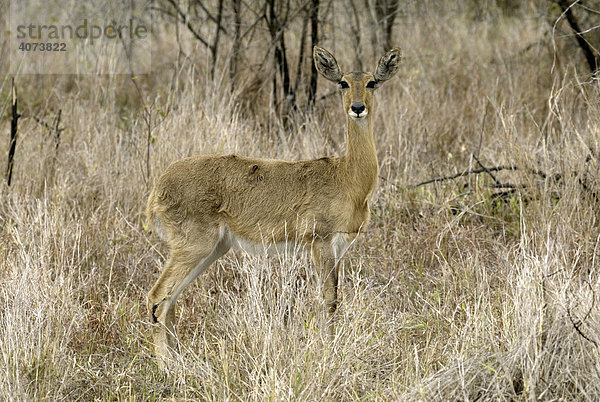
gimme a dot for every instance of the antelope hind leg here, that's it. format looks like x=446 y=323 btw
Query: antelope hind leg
x=182 y=268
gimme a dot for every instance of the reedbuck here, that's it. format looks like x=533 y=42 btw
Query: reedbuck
x=205 y=205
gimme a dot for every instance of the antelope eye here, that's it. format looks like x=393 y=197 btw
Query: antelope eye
x=344 y=85
x=371 y=84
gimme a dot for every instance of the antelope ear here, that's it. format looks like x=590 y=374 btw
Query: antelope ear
x=388 y=65
x=327 y=65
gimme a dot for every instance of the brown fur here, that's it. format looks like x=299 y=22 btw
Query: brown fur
x=203 y=205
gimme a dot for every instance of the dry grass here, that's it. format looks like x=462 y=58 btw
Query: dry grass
x=451 y=294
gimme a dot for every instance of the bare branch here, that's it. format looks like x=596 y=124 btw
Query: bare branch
x=486 y=169
x=184 y=18
x=216 y=20
x=13 y=133
x=466 y=173
x=577 y=324
x=47 y=126
x=555 y=177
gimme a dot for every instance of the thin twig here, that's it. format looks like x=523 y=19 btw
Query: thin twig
x=583 y=185
x=13 y=133
x=327 y=95
x=389 y=182
x=466 y=173
x=508 y=185
x=211 y=17
x=504 y=194
x=57 y=130
x=577 y=326
x=47 y=126
x=188 y=24
x=555 y=177
x=486 y=169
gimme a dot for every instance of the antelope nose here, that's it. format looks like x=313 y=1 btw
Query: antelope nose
x=358 y=108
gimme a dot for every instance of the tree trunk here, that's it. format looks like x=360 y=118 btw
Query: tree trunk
x=237 y=45
x=314 y=38
x=587 y=50
x=373 y=27
x=215 y=45
x=386 y=11
x=301 y=51
x=276 y=29
x=354 y=15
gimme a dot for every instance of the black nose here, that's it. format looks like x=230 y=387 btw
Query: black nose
x=358 y=107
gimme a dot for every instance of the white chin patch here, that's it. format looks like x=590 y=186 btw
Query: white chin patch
x=356 y=116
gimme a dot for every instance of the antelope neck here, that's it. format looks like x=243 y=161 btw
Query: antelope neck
x=361 y=156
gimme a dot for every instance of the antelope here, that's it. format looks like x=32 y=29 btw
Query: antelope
x=205 y=205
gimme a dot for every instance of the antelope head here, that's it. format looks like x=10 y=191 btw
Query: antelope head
x=357 y=87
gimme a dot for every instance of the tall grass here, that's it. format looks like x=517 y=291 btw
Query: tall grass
x=452 y=293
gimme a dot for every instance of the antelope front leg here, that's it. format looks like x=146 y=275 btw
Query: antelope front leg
x=324 y=260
